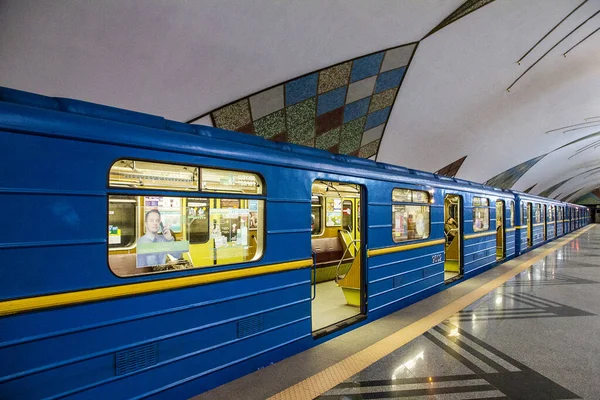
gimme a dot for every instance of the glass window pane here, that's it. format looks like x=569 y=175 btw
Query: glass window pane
x=420 y=196
x=481 y=219
x=315 y=215
x=179 y=233
x=223 y=181
x=410 y=222
x=347 y=217
x=151 y=175
x=333 y=207
x=401 y=195
x=512 y=213
x=121 y=221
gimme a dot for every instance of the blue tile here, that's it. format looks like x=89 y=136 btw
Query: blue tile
x=390 y=79
x=301 y=89
x=365 y=67
x=331 y=100
x=356 y=109
x=377 y=118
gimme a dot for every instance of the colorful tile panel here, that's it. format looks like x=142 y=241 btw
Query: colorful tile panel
x=343 y=108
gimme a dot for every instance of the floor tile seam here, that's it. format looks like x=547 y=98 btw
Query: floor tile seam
x=400 y=337
x=408 y=386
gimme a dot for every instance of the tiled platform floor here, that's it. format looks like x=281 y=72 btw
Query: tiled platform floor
x=535 y=337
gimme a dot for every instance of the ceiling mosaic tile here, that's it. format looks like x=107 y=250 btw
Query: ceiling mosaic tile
x=334 y=77
x=356 y=126
x=331 y=100
x=508 y=178
x=383 y=100
x=451 y=169
x=343 y=108
x=369 y=150
x=361 y=89
x=463 y=10
x=596 y=192
x=553 y=188
x=390 y=79
x=300 y=113
x=356 y=110
x=371 y=135
x=301 y=89
x=350 y=142
x=396 y=58
x=300 y=133
x=528 y=190
x=328 y=139
x=233 y=116
x=377 y=118
x=266 y=102
x=366 y=66
x=270 y=125
x=329 y=121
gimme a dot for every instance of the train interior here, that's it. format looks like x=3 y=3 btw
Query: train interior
x=336 y=247
x=500 y=232
x=150 y=234
x=453 y=234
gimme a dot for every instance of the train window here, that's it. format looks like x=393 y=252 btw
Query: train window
x=333 y=207
x=224 y=181
x=410 y=221
x=347 y=217
x=481 y=214
x=538 y=214
x=162 y=176
x=152 y=175
x=316 y=208
x=121 y=222
x=512 y=213
x=550 y=213
x=182 y=232
x=524 y=214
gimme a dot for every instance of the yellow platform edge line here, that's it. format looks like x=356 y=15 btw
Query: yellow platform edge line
x=91 y=295
x=330 y=377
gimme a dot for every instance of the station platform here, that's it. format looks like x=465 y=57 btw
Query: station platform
x=526 y=329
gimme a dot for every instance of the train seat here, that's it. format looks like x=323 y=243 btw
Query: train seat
x=328 y=252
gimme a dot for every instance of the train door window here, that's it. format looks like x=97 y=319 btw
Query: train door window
x=524 y=217
x=481 y=214
x=410 y=215
x=538 y=214
x=347 y=215
x=316 y=208
x=175 y=233
x=512 y=214
x=121 y=222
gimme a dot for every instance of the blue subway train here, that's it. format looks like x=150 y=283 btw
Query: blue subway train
x=153 y=258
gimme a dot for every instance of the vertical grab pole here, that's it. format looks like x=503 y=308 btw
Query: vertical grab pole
x=314 y=268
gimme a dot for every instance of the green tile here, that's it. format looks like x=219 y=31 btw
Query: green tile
x=233 y=116
x=301 y=133
x=270 y=125
x=334 y=77
x=369 y=150
x=328 y=139
x=351 y=135
x=302 y=112
x=382 y=100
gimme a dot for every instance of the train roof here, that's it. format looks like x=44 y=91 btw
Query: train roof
x=98 y=111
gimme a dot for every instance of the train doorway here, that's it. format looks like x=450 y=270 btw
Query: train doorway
x=338 y=278
x=529 y=226
x=500 y=231
x=453 y=268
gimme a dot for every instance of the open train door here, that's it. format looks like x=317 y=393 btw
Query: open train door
x=500 y=230
x=453 y=267
x=338 y=288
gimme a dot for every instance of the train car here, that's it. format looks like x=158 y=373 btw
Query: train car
x=159 y=259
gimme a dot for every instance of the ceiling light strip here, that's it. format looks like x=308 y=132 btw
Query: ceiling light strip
x=552 y=48
x=550 y=31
